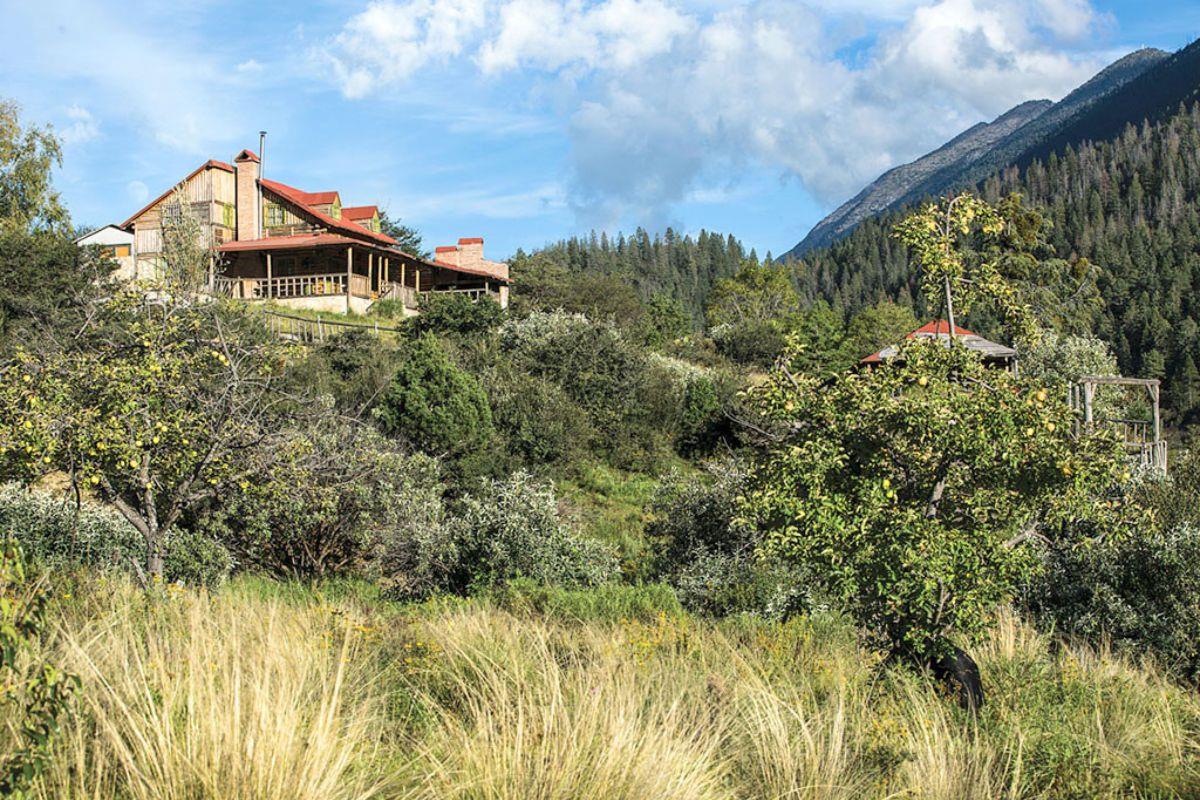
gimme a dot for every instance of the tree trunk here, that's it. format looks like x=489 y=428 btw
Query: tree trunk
x=960 y=673
x=154 y=554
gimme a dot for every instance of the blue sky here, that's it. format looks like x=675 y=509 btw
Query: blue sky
x=524 y=121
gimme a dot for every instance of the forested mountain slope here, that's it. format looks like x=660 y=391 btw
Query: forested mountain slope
x=1131 y=206
x=986 y=148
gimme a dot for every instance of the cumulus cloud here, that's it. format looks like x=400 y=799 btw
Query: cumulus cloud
x=389 y=41
x=82 y=128
x=659 y=96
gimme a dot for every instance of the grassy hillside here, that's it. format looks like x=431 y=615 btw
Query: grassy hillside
x=270 y=690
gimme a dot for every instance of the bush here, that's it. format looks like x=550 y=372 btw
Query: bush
x=430 y=402
x=539 y=422
x=54 y=533
x=711 y=558
x=325 y=513
x=456 y=313
x=1139 y=592
x=513 y=529
x=607 y=376
x=354 y=367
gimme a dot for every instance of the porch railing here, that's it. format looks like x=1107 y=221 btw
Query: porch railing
x=289 y=286
x=474 y=294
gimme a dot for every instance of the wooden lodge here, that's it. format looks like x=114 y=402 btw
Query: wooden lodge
x=274 y=242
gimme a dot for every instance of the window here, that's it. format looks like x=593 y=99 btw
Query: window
x=116 y=251
x=228 y=216
x=335 y=210
x=273 y=214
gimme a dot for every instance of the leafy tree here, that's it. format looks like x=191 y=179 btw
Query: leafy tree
x=665 y=321
x=913 y=491
x=407 y=238
x=27 y=156
x=750 y=314
x=47 y=279
x=158 y=407
x=874 y=328
x=433 y=403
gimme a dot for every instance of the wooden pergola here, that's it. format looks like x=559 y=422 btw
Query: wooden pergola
x=1142 y=438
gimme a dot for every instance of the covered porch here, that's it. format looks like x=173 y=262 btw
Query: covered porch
x=329 y=272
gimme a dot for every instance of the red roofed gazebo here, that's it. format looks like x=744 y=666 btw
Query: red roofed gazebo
x=992 y=353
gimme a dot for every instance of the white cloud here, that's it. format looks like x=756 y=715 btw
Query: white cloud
x=661 y=96
x=82 y=128
x=249 y=66
x=389 y=41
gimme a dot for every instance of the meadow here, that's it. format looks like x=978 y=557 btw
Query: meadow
x=262 y=689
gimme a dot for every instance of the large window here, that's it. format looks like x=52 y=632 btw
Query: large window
x=273 y=215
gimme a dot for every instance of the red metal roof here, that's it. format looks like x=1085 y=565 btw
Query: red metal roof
x=320 y=198
x=470 y=271
x=298 y=198
x=212 y=162
x=446 y=248
x=940 y=328
x=471 y=240
x=299 y=240
x=360 y=212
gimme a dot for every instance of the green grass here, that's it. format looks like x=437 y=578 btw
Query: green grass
x=276 y=691
x=613 y=506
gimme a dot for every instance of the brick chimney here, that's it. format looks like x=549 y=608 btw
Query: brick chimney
x=246 y=167
x=470 y=253
x=447 y=254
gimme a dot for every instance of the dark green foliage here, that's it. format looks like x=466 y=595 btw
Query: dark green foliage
x=456 y=314
x=665 y=321
x=751 y=314
x=1138 y=592
x=539 y=422
x=703 y=422
x=676 y=266
x=625 y=398
x=434 y=404
x=353 y=367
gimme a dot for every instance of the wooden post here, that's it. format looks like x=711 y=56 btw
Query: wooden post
x=268 y=276
x=418 y=281
x=1089 y=390
x=370 y=271
x=349 y=274
x=402 y=267
x=1157 y=418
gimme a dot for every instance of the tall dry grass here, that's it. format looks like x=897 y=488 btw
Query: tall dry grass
x=190 y=696
x=243 y=696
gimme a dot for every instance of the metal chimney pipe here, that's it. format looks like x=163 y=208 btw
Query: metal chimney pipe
x=262 y=142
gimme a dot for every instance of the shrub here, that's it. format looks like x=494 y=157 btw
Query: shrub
x=513 y=529
x=606 y=375
x=456 y=313
x=323 y=514
x=1139 y=592
x=354 y=367
x=539 y=422
x=432 y=403
x=55 y=533
x=710 y=557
